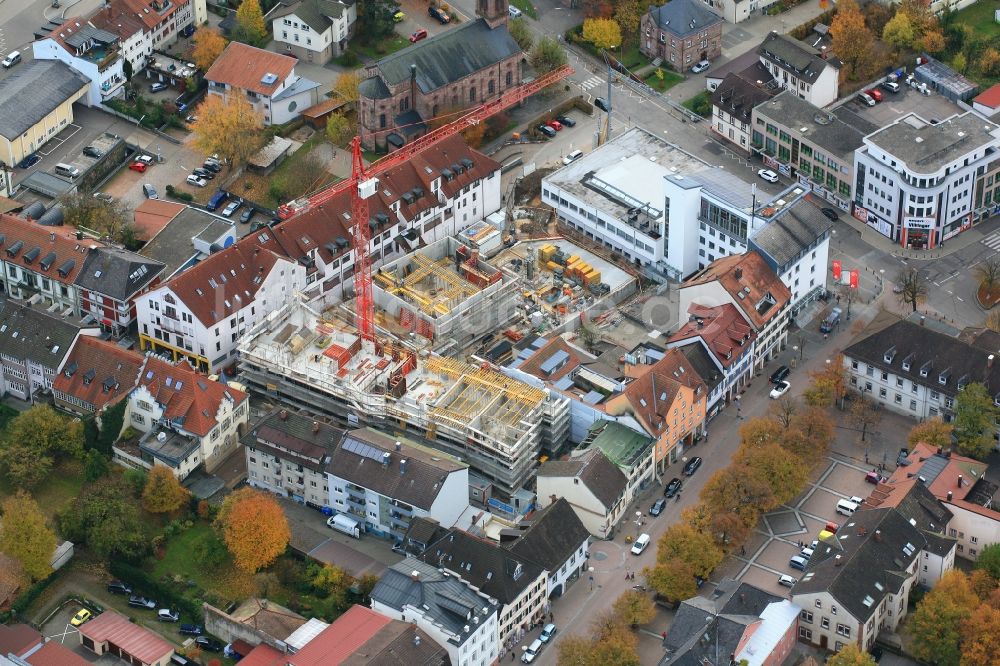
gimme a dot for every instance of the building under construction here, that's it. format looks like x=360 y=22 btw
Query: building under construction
x=445 y=293
x=316 y=361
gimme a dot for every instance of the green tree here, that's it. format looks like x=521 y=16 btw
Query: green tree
x=519 y=30
x=106 y=517
x=375 y=20
x=82 y=210
x=975 y=417
x=628 y=14
x=989 y=560
x=250 y=26
x=33 y=440
x=547 y=54
x=127 y=69
x=936 y=624
x=634 y=608
x=25 y=535
x=338 y=129
x=851 y=655
x=334 y=584
x=95 y=465
x=112 y=420
x=23 y=466
x=163 y=492
x=602 y=33
x=210 y=552
x=960 y=62
x=899 y=31
x=934 y=431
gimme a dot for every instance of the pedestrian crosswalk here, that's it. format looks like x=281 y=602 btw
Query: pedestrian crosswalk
x=992 y=241
x=592 y=82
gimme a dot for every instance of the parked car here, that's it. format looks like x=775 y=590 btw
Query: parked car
x=29 y=161
x=700 y=67
x=658 y=507
x=554 y=124
x=157 y=87
x=167 y=615
x=692 y=466
x=90 y=151
x=207 y=643
x=188 y=30
x=640 y=544
x=673 y=487
x=875 y=478
x=798 y=562
x=118 y=587
x=547 y=131
x=81 y=616
x=247 y=214
x=418 y=35
x=876 y=94
x=191 y=630
x=572 y=157
x=779 y=374
x=104 y=196
x=601 y=104
x=866 y=99
x=768 y=175
x=203 y=173
x=439 y=15
x=566 y=120
x=531 y=652
x=548 y=631
x=138 y=166
x=214 y=167
x=196 y=181
x=149 y=191
x=902 y=459
x=191 y=118
x=891 y=86
x=145 y=159
x=398 y=17
x=514 y=11
x=830 y=214
x=231 y=208
x=786 y=580
x=780 y=389
x=140 y=601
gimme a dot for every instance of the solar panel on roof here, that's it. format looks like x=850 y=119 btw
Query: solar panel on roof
x=362 y=449
x=933 y=466
x=554 y=362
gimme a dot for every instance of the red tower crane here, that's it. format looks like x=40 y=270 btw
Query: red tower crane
x=363 y=184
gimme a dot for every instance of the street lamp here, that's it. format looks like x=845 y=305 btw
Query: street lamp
x=795 y=348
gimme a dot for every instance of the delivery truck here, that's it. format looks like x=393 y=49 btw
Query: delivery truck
x=346 y=524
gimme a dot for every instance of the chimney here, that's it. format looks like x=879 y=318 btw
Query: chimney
x=399 y=446
x=738 y=273
x=922 y=320
x=386 y=459
x=79 y=235
x=949 y=495
x=52 y=238
x=315 y=427
x=415 y=576
x=553 y=499
x=989 y=361
x=402 y=466
x=877 y=535
x=283 y=415
x=416 y=641
x=959 y=480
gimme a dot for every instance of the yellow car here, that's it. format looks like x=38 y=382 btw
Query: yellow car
x=82 y=616
x=399 y=17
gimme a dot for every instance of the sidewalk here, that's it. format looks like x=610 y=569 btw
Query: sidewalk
x=960 y=242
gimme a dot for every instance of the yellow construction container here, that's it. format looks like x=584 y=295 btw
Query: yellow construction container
x=572 y=260
x=552 y=266
x=593 y=277
x=545 y=253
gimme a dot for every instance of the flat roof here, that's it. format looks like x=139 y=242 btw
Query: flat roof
x=173 y=246
x=822 y=128
x=926 y=147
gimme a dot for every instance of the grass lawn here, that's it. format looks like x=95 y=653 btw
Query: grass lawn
x=526 y=7
x=6 y=414
x=61 y=486
x=378 y=50
x=631 y=57
x=179 y=560
x=979 y=17
x=669 y=80
x=700 y=104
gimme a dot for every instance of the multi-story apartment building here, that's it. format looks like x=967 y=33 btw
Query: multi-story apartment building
x=386 y=482
x=555 y=538
x=631 y=450
x=815 y=146
x=800 y=68
x=438 y=193
x=93 y=52
x=109 y=284
x=915 y=180
x=288 y=454
x=187 y=419
x=33 y=344
x=749 y=283
x=455 y=613
x=265 y=79
x=314 y=30
x=94 y=375
x=147 y=25
x=681 y=33
x=593 y=485
x=734 y=100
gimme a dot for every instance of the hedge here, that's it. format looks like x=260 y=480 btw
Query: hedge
x=165 y=594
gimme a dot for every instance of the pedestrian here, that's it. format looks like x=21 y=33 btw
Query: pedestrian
x=513 y=655
x=743 y=550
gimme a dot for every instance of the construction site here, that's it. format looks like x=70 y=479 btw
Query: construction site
x=316 y=361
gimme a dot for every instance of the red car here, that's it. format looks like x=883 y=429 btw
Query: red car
x=876 y=94
x=418 y=35
x=554 y=124
x=138 y=166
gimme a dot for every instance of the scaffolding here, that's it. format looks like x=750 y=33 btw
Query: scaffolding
x=430 y=300
x=481 y=393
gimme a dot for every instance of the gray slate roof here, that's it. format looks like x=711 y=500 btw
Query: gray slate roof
x=374 y=88
x=294 y=436
x=440 y=597
x=793 y=56
x=819 y=127
x=595 y=471
x=739 y=92
x=483 y=564
x=85 y=33
x=300 y=85
x=449 y=56
x=919 y=346
x=33 y=334
x=684 y=17
x=315 y=13
x=790 y=233
x=173 y=244
x=872 y=553
x=34 y=90
x=355 y=460
x=117 y=273
x=555 y=533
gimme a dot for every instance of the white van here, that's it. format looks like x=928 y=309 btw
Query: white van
x=846 y=507
x=514 y=11
x=12 y=59
x=532 y=651
x=67 y=170
x=572 y=157
x=640 y=544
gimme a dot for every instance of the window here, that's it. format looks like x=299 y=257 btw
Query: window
x=844 y=630
x=825 y=623
x=806 y=616
x=805 y=633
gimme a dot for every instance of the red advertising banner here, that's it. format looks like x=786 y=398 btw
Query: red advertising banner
x=855 y=275
x=836 y=270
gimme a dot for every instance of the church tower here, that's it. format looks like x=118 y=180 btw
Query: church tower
x=494 y=12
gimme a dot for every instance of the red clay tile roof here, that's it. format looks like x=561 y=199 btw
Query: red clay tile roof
x=140 y=643
x=533 y=364
x=17 y=639
x=93 y=364
x=153 y=214
x=263 y=655
x=242 y=66
x=118 y=19
x=751 y=283
x=56 y=654
x=723 y=328
x=652 y=394
x=186 y=395
x=970 y=469
x=989 y=97
x=341 y=639
x=20 y=238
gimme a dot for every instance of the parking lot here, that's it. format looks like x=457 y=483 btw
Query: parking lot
x=766 y=554
x=908 y=100
x=59 y=629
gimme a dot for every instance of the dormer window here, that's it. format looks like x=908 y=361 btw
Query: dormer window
x=890 y=354
x=943 y=377
x=925 y=369
x=908 y=362
x=996 y=400
x=962 y=381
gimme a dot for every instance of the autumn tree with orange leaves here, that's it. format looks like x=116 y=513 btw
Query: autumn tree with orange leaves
x=254 y=529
